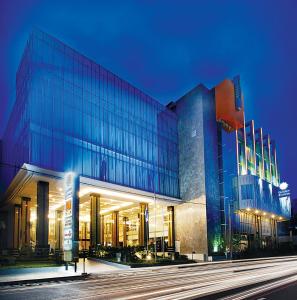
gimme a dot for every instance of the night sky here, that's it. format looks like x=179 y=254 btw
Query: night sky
x=166 y=48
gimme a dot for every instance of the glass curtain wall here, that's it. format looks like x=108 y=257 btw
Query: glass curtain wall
x=71 y=114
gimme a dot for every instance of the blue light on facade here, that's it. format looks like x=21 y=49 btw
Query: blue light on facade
x=72 y=114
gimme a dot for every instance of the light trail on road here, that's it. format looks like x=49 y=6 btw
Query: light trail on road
x=168 y=283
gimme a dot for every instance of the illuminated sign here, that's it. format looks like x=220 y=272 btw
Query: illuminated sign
x=283 y=186
x=283 y=190
x=71 y=204
x=68 y=233
x=284 y=193
x=285 y=198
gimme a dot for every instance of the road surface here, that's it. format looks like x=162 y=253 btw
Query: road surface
x=249 y=279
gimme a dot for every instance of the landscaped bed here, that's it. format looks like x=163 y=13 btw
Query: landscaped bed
x=150 y=263
x=137 y=256
x=15 y=264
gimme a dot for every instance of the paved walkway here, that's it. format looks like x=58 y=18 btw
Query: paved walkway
x=18 y=274
x=95 y=266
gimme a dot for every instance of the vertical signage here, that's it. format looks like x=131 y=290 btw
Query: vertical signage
x=285 y=199
x=71 y=217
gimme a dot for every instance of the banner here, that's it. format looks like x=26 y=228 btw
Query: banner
x=71 y=217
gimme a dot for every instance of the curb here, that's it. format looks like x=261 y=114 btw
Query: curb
x=37 y=280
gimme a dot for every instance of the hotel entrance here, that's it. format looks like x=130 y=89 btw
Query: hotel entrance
x=120 y=221
x=108 y=215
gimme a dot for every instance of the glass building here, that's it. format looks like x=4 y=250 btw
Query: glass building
x=72 y=114
x=88 y=159
x=254 y=197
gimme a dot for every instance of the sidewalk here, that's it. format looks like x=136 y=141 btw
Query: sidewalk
x=28 y=275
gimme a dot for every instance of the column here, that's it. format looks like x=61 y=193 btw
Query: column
x=143 y=225
x=260 y=232
x=25 y=221
x=95 y=220
x=276 y=233
x=58 y=229
x=255 y=221
x=4 y=230
x=42 y=245
x=115 y=229
x=125 y=219
x=273 y=235
x=102 y=230
x=16 y=226
x=170 y=210
x=258 y=237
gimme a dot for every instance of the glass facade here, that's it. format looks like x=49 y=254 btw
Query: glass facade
x=251 y=187
x=257 y=194
x=71 y=114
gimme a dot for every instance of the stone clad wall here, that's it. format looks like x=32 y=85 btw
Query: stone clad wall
x=198 y=220
x=211 y=164
x=190 y=220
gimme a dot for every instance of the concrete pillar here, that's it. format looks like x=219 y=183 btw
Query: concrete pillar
x=4 y=229
x=254 y=231
x=95 y=220
x=170 y=210
x=143 y=225
x=273 y=232
x=84 y=228
x=42 y=245
x=260 y=232
x=115 y=229
x=102 y=230
x=16 y=226
x=25 y=221
x=276 y=233
x=125 y=219
x=58 y=229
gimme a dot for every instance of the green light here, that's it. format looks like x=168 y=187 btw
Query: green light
x=216 y=244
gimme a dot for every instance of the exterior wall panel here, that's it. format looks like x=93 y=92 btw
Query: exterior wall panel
x=226 y=108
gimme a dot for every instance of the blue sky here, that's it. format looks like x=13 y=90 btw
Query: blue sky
x=167 y=47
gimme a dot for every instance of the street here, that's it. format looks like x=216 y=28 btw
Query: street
x=249 y=279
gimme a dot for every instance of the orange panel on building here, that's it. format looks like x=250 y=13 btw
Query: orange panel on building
x=226 y=112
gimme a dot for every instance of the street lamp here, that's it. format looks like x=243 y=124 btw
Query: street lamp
x=230 y=230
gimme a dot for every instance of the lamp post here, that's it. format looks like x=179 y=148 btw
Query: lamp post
x=163 y=242
x=155 y=200
x=155 y=226
x=85 y=235
x=230 y=231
